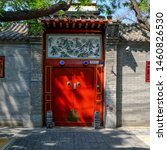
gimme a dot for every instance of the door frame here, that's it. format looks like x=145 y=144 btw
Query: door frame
x=49 y=64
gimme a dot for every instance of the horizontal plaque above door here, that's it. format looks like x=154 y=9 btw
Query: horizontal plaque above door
x=71 y=46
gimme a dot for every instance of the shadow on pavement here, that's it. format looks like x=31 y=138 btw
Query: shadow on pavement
x=76 y=139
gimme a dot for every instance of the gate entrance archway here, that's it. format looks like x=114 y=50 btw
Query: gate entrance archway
x=73 y=71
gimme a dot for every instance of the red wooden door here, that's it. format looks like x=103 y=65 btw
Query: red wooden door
x=74 y=96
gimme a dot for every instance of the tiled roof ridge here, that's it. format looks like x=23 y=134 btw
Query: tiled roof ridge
x=78 y=17
x=135 y=25
x=77 y=21
x=127 y=32
x=133 y=32
x=14 y=32
x=87 y=4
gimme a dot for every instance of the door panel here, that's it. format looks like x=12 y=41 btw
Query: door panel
x=85 y=94
x=74 y=103
x=63 y=93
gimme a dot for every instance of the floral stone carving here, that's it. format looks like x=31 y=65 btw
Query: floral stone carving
x=74 y=46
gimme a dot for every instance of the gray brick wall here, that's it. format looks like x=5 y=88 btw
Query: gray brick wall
x=15 y=94
x=132 y=90
x=127 y=95
x=21 y=89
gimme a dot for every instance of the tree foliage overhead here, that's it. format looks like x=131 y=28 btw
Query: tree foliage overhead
x=30 y=10
x=16 y=10
x=141 y=8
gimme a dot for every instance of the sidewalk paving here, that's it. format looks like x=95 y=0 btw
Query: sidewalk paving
x=76 y=138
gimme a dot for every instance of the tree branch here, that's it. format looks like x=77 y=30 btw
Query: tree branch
x=33 y=14
x=143 y=22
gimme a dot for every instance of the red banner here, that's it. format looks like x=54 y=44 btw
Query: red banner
x=147 y=71
x=2 y=65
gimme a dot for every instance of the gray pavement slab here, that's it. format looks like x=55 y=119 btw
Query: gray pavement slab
x=76 y=138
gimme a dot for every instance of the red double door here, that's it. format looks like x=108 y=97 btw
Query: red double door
x=74 y=96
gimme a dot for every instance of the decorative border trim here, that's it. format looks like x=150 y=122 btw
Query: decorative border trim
x=48 y=70
x=99 y=78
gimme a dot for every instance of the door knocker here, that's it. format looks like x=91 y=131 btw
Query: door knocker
x=69 y=84
x=78 y=84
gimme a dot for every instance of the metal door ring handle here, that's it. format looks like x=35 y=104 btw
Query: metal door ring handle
x=68 y=84
x=78 y=84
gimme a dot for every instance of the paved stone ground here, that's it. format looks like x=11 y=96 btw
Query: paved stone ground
x=61 y=138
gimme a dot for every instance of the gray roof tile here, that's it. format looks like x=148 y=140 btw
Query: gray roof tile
x=14 y=32
x=19 y=32
x=133 y=33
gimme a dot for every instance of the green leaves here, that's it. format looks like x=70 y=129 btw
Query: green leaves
x=2 y=6
x=107 y=7
x=126 y=4
x=61 y=13
x=38 y=4
x=25 y=4
x=21 y=5
x=35 y=26
x=144 y=5
x=84 y=2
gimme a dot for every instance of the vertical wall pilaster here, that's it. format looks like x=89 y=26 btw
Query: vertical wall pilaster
x=36 y=84
x=110 y=86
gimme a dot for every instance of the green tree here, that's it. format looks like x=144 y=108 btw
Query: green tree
x=141 y=9
x=21 y=10
x=17 y=10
